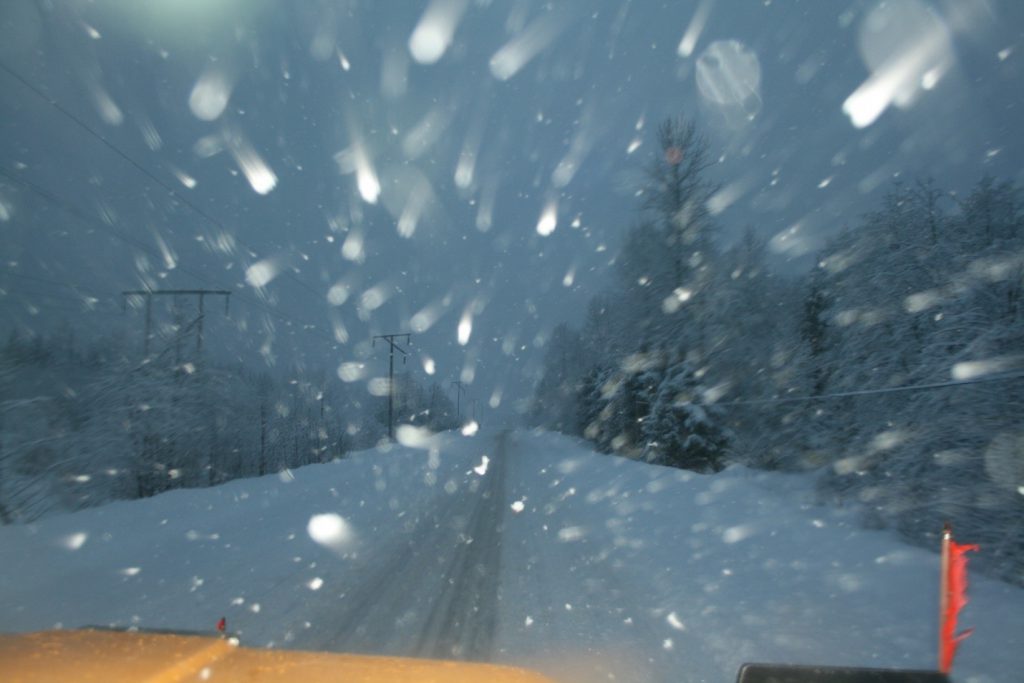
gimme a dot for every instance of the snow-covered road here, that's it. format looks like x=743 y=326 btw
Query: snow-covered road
x=517 y=548
x=433 y=590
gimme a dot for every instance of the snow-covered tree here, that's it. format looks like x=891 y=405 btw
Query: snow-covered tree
x=80 y=426
x=678 y=430
x=689 y=353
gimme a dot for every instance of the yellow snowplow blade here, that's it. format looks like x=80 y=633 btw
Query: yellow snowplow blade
x=115 y=657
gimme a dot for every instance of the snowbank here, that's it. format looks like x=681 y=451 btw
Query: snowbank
x=651 y=573
x=607 y=566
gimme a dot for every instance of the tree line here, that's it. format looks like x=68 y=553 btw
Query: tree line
x=83 y=424
x=684 y=358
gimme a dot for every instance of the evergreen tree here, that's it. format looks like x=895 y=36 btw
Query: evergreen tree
x=679 y=432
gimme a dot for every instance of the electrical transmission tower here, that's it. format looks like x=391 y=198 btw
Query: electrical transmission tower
x=390 y=339
x=148 y=294
x=460 y=388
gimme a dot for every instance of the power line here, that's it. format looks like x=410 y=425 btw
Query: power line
x=135 y=164
x=72 y=210
x=200 y=295
x=28 y=290
x=23 y=276
x=24 y=304
x=87 y=301
x=869 y=392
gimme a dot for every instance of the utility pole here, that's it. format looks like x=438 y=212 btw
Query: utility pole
x=182 y=330
x=390 y=339
x=460 y=387
x=148 y=294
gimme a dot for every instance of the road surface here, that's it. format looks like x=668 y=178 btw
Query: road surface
x=434 y=591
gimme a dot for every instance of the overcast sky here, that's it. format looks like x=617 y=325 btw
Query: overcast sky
x=376 y=167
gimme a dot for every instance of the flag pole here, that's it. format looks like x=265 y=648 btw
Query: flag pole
x=943 y=591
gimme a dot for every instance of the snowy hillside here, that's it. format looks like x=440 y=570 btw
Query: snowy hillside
x=521 y=548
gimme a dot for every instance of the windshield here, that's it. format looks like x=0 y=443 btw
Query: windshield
x=624 y=340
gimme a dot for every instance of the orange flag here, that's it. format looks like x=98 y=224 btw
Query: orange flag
x=953 y=597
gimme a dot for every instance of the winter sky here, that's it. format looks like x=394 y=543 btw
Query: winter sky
x=460 y=170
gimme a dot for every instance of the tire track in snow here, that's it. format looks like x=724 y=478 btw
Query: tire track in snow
x=464 y=619
x=434 y=592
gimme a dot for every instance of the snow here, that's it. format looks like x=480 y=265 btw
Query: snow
x=583 y=566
